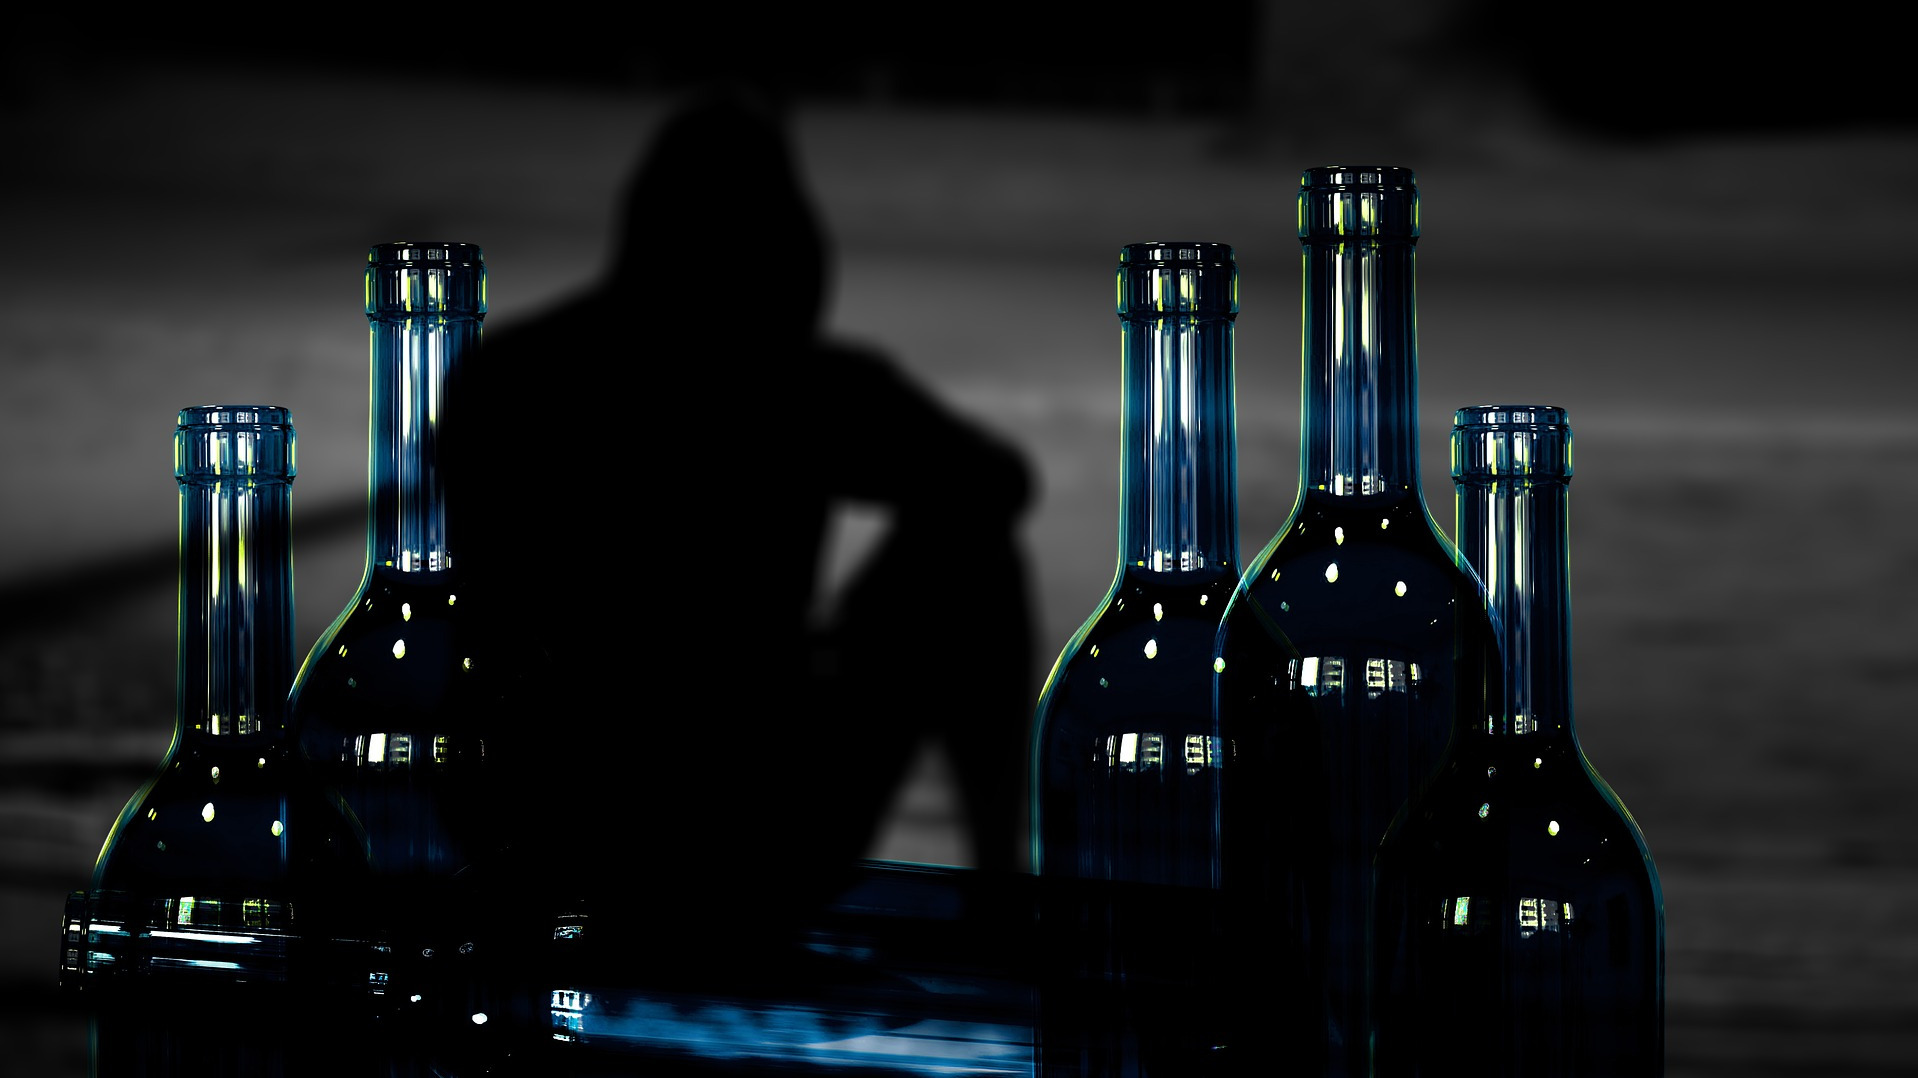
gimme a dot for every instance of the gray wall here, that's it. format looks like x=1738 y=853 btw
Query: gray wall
x=1697 y=245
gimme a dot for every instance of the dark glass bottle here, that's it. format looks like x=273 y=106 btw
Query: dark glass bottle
x=1524 y=931
x=399 y=706
x=196 y=880
x=1126 y=762
x=1359 y=602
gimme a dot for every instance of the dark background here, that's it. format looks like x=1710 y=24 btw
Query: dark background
x=1691 y=229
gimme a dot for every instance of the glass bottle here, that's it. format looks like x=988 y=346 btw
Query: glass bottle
x=1525 y=935
x=197 y=877
x=1126 y=764
x=1359 y=602
x=399 y=705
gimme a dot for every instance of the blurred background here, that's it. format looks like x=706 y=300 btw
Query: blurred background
x=1693 y=234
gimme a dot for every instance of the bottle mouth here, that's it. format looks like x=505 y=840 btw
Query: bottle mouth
x=1177 y=253
x=231 y=441
x=235 y=415
x=1513 y=416
x=425 y=253
x=1359 y=178
x=1509 y=441
x=1182 y=277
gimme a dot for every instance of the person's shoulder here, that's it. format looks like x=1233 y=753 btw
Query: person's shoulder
x=594 y=308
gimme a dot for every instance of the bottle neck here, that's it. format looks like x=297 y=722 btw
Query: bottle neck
x=415 y=360
x=1512 y=519
x=234 y=637
x=1359 y=395
x=425 y=303
x=1178 y=474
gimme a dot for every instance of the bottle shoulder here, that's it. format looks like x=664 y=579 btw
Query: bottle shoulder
x=1523 y=809
x=1370 y=569
x=408 y=647
x=1146 y=648
x=1152 y=603
x=1356 y=526
x=215 y=814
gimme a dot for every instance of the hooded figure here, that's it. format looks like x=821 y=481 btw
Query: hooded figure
x=645 y=472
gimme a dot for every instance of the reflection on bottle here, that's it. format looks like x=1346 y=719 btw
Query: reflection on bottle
x=1521 y=923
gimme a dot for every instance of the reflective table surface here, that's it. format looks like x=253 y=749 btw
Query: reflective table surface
x=914 y=969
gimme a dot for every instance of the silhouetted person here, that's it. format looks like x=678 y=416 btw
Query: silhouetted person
x=652 y=479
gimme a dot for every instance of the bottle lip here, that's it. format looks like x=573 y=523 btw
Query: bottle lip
x=406 y=278
x=1531 y=442
x=1510 y=416
x=1358 y=203
x=1358 y=178
x=425 y=253
x=234 y=441
x=1176 y=253
x=235 y=415
x=1188 y=278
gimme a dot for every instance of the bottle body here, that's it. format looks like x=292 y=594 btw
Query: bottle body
x=1359 y=605
x=1129 y=769
x=1527 y=939
x=1127 y=766
x=1521 y=923
x=1372 y=633
x=1130 y=775
x=198 y=877
x=398 y=706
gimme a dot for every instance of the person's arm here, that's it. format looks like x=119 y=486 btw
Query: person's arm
x=889 y=441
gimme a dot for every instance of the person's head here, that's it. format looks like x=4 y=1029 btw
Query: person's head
x=720 y=187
